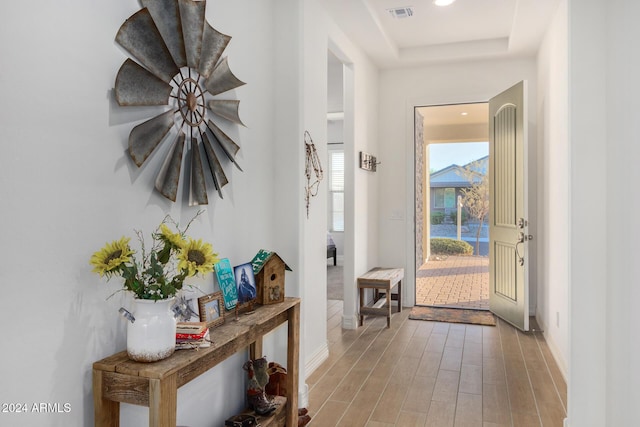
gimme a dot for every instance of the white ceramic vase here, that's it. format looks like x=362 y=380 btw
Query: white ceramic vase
x=152 y=336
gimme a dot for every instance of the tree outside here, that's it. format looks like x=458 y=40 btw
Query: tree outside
x=476 y=197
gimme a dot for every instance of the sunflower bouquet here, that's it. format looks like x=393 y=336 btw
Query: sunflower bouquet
x=158 y=273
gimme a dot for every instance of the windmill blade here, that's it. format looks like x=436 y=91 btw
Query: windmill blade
x=229 y=147
x=192 y=17
x=197 y=187
x=213 y=44
x=140 y=37
x=227 y=109
x=145 y=137
x=169 y=175
x=137 y=86
x=166 y=15
x=219 y=178
x=222 y=79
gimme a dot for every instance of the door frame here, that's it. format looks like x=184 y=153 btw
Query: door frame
x=409 y=296
x=426 y=197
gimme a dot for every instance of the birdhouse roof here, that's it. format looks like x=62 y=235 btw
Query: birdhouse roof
x=262 y=257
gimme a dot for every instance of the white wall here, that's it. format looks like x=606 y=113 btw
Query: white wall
x=589 y=288
x=553 y=190
x=360 y=88
x=400 y=91
x=604 y=379
x=67 y=186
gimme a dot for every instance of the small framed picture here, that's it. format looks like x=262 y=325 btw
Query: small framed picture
x=212 y=309
x=185 y=308
x=245 y=282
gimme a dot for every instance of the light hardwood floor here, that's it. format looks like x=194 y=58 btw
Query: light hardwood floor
x=420 y=373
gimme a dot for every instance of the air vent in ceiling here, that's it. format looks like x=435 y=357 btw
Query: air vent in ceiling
x=401 y=12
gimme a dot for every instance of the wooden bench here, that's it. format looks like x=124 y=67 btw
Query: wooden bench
x=380 y=280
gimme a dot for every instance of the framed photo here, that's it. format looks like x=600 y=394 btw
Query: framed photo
x=185 y=308
x=245 y=282
x=212 y=309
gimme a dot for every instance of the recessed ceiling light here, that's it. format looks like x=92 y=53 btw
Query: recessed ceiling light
x=464 y=113
x=443 y=2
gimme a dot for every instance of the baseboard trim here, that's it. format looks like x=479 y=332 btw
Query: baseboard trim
x=350 y=322
x=566 y=422
x=317 y=359
x=303 y=396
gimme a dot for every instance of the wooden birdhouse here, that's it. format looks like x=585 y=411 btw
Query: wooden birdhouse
x=268 y=269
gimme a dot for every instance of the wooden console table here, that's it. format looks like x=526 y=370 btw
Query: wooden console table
x=118 y=379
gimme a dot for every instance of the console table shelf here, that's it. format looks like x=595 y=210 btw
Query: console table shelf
x=118 y=379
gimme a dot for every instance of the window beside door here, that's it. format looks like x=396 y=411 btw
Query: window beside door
x=336 y=190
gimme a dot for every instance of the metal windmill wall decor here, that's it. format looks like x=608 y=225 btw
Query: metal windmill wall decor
x=178 y=64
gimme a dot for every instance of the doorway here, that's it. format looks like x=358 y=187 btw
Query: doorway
x=452 y=259
x=335 y=179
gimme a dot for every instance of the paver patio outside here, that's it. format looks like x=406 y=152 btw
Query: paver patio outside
x=454 y=281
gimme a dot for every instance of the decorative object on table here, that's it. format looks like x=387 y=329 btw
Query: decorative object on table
x=151 y=336
x=212 y=309
x=312 y=167
x=184 y=310
x=269 y=269
x=245 y=284
x=227 y=283
x=154 y=276
x=179 y=65
x=258 y=378
x=192 y=335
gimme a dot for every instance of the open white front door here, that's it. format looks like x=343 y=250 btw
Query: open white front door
x=508 y=278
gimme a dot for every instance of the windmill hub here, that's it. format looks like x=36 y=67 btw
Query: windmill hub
x=191 y=102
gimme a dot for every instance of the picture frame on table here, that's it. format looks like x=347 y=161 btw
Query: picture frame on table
x=185 y=308
x=245 y=284
x=212 y=309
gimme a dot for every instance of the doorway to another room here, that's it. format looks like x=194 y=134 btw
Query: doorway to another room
x=335 y=179
x=452 y=206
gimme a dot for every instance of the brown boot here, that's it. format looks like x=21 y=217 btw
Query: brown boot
x=302 y=411
x=260 y=403
x=303 y=420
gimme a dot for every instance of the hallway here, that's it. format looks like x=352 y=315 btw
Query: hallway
x=431 y=374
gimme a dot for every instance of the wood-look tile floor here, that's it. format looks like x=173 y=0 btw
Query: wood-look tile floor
x=420 y=373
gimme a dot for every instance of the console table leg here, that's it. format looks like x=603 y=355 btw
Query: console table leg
x=255 y=349
x=106 y=412
x=293 y=360
x=163 y=396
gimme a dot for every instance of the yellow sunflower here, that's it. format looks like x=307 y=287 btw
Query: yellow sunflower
x=109 y=258
x=175 y=239
x=197 y=257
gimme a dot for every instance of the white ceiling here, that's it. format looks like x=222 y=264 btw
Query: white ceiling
x=467 y=29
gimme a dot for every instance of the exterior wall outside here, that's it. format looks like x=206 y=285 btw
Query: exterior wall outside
x=421 y=193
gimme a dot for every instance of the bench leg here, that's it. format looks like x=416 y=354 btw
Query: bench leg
x=361 y=304
x=388 y=296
